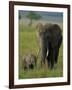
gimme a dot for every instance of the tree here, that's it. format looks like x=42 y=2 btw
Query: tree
x=32 y=16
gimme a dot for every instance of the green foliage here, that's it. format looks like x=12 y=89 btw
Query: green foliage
x=33 y=15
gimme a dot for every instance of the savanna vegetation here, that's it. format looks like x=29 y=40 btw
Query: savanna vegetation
x=28 y=43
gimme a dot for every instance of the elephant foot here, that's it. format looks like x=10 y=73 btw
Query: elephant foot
x=49 y=65
x=52 y=67
x=55 y=62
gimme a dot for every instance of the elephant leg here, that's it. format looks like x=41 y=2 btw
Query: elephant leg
x=43 y=55
x=49 y=58
x=57 y=50
x=52 y=58
x=56 y=53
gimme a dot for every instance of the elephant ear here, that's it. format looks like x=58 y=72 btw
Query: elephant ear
x=39 y=27
x=56 y=41
x=56 y=35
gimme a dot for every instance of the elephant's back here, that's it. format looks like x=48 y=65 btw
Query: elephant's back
x=54 y=30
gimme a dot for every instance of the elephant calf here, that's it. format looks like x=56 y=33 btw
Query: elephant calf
x=29 y=61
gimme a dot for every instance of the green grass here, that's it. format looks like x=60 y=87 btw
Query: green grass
x=28 y=44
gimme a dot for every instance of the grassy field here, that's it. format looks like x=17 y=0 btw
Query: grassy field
x=28 y=44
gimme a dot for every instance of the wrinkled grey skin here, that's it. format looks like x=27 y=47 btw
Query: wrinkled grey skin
x=50 y=37
x=29 y=61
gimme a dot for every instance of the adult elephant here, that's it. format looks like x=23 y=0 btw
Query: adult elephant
x=50 y=37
